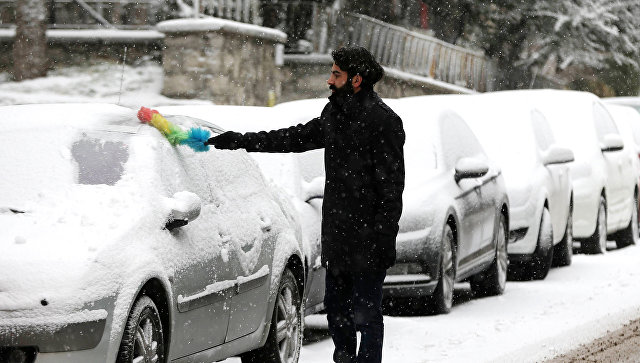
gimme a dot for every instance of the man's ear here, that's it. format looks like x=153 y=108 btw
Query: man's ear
x=356 y=81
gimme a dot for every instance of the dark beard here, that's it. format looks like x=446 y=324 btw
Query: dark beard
x=342 y=92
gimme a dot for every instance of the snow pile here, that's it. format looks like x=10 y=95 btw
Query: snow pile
x=141 y=86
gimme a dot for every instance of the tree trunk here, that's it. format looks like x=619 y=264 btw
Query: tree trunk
x=30 y=44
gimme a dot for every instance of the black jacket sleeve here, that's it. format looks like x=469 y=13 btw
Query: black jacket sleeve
x=388 y=160
x=302 y=137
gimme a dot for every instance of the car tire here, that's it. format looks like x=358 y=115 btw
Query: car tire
x=597 y=243
x=493 y=280
x=563 y=251
x=629 y=235
x=143 y=335
x=441 y=301
x=285 y=333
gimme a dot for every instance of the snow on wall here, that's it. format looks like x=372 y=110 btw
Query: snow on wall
x=215 y=24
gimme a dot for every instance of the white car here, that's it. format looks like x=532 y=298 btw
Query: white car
x=604 y=185
x=300 y=176
x=536 y=173
x=118 y=247
x=628 y=121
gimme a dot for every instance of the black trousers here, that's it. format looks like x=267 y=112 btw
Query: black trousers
x=353 y=301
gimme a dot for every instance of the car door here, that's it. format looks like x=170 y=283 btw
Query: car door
x=473 y=195
x=202 y=282
x=558 y=181
x=251 y=223
x=311 y=166
x=617 y=165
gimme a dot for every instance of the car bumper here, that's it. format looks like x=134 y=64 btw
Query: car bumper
x=410 y=276
x=62 y=338
x=524 y=227
x=411 y=285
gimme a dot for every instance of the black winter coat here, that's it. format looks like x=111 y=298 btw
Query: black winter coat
x=364 y=163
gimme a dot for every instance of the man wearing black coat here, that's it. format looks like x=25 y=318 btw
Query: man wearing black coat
x=364 y=163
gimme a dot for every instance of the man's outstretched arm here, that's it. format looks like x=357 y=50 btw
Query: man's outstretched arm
x=298 y=138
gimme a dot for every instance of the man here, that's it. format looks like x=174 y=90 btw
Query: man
x=364 y=163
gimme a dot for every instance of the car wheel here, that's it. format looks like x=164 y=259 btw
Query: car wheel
x=629 y=235
x=285 y=334
x=493 y=280
x=563 y=251
x=441 y=300
x=597 y=243
x=143 y=338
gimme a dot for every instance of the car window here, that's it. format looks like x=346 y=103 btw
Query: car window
x=541 y=130
x=603 y=121
x=457 y=140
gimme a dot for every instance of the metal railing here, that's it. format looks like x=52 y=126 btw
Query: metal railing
x=245 y=11
x=413 y=52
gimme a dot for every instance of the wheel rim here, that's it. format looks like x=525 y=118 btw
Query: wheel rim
x=145 y=348
x=602 y=228
x=448 y=273
x=502 y=257
x=287 y=325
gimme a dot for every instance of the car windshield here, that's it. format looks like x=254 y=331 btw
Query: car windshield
x=513 y=136
x=36 y=163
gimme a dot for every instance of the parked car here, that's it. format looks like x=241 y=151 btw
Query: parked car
x=300 y=176
x=628 y=121
x=118 y=247
x=633 y=102
x=604 y=185
x=536 y=172
x=455 y=217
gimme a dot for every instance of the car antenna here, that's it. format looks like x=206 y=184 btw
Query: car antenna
x=124 y=61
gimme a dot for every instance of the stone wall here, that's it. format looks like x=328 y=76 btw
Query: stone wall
x=222 y=61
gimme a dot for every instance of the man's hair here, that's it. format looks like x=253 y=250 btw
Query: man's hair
x=358 y=60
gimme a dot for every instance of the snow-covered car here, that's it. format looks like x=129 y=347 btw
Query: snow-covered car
x=118 y=247
x=604 y=183
x=633 y=102
x=628 y=121
x=536 y=172
x=455 y=217
x=300 y=176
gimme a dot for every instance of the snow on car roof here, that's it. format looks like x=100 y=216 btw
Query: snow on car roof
x=80 y=115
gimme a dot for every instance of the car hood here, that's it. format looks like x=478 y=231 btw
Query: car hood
x=57 y=252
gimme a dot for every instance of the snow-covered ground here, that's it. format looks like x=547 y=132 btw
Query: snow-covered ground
x=141 y=86
x=530 y=322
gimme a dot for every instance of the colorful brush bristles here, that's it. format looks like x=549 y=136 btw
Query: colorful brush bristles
x=195 y=138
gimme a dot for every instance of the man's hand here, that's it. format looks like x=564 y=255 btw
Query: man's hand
x=228 y=140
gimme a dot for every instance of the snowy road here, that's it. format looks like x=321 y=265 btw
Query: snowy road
x=531 y=322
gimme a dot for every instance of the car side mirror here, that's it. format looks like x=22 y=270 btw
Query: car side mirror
x=612 y=142
x=470 y=168
x=313 y=189
x=185 y=207
x=557 y=155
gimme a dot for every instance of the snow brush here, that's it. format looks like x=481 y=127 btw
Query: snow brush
x=196 y=138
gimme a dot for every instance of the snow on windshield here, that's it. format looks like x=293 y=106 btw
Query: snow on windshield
x=500 y=126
